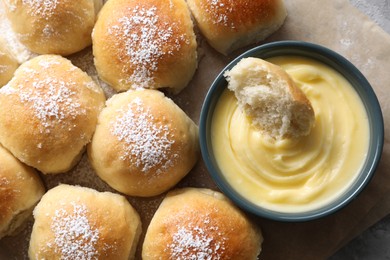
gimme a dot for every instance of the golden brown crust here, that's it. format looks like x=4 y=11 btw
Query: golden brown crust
x=8 y=63
x=20 y=189
x=195 y=223
x=48 y=113
x=52 y=27
x=145 y=44
x=72 y=221
x=143 y=144
x=231 y=24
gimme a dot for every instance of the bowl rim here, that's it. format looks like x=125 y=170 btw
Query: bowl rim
x=361 y=86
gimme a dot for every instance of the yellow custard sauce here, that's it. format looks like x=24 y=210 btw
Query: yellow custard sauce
x=295 y=175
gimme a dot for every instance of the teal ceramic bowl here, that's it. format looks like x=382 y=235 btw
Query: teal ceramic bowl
x=345 y=68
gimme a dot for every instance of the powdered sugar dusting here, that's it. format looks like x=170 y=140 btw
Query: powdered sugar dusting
x=4 y=68
x=194 y=242
x=44 y=8
x=219 y=12
x=51 y=99
x=146 y=143
x=75 y=238
x=146 y=42
x=4 y=182
x=54 y=102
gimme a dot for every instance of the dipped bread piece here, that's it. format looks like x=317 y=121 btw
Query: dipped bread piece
x=144 y=143
x=73 y=222
x=194 y=223
x=230 y=24
x=20 y=190
x=48 y=113
x=8 y=63
x=271 y=99
x=53 y=27
x=145 y=44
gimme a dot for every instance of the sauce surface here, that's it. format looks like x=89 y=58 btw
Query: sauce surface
x=302 y=174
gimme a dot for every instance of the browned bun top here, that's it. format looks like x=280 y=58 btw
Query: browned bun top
x=234 y=15
x=48 y=113
x=53 y=26
x=231 y=24
x=145 y=44
x=195 y=223
x=20 y=190
x=144 y=143
x=73 y=222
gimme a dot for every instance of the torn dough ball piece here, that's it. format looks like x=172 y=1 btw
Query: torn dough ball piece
x=48 y=113
x=72 y=222
x=53 y=26
x=271 y=99
x=145 y=44
x=195 y=223
x=8 y=63
x=144 y=143
x=231 y=24
x=20 y=190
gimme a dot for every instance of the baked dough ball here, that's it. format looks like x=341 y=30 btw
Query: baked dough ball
x=197 y=223
x=230 y=24
x=53 y=26
x=145 y=44
x=8 y=63
x=48 y=113
x=20 y=191
x=271 y=99
x=73 y=222
x=143 y=144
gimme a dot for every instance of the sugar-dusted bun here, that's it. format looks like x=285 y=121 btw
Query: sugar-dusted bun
x=271 y=99
x=145 y=44
x=8 y=63
x=144 y=143
x=48 y=113
x=72 y=222
x=230 y=24
x=53 y=27
x=20 y=190
x=195 y=223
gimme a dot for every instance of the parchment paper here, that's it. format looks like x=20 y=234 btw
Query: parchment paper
x=335 y=24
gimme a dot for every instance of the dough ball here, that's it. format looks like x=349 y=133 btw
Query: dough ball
x=144 y=143
x=48 y=113
x=231 y=24
x=145 y=44
x=53 y=26
x=20 y=190
x=72 y=222
x=194 y=223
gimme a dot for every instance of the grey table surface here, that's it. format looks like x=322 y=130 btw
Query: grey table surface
x=374 y=243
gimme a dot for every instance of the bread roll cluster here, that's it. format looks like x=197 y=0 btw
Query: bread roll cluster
x=139 y=141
